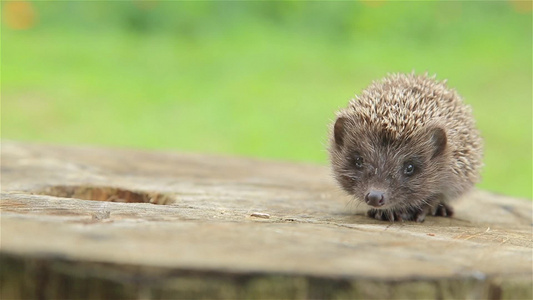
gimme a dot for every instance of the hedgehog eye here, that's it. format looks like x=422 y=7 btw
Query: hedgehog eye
x=408 y=169
x=359 y=162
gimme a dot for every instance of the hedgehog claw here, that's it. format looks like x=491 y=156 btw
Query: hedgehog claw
x=377 y=214
x=443 y=210
x=420 y=216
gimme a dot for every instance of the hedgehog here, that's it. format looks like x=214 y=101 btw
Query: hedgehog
x=406 y=146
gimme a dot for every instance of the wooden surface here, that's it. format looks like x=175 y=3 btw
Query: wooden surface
x=169 y=225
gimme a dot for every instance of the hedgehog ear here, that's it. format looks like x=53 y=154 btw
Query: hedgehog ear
x=339 y=131
x=438 y=140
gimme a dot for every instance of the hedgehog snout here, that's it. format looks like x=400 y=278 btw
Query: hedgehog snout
x=375 y=198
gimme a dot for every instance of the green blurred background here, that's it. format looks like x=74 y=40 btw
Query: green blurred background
x=258 y=79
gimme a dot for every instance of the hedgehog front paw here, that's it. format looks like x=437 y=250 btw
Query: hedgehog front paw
x=417 y=215
x=439 y=208
x=386 y=215
x=442 y=209
x=377 y=214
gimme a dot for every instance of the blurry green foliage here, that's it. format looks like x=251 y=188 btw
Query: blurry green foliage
x=259 y=78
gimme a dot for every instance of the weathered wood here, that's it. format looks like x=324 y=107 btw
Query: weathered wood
x=169 y=225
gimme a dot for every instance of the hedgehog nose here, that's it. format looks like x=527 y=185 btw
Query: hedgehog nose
x=375 y=198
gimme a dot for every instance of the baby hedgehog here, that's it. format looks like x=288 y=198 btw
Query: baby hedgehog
x=406 y=147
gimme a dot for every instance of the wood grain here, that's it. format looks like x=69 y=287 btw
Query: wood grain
x=81 y=222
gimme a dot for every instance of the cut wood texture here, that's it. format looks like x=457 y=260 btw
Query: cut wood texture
x=80 y=222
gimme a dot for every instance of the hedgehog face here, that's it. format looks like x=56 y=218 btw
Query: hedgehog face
x=386 y=170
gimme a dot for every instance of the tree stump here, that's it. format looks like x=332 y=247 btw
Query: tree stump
x=80 y=222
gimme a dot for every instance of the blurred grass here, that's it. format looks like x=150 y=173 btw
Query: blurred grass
x=260 y=79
